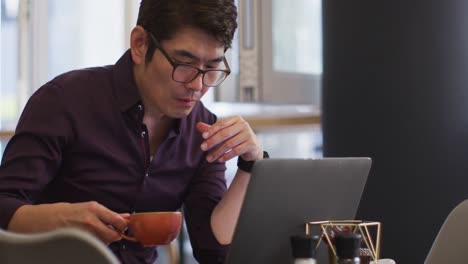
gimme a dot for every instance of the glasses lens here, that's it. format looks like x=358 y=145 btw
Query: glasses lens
x=184 y=73
x=214 y=77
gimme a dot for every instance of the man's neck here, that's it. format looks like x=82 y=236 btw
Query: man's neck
x=158 y=128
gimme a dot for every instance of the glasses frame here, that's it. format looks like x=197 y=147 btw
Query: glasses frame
x=176 y=64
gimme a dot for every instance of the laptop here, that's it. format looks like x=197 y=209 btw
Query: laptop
x=284 y=194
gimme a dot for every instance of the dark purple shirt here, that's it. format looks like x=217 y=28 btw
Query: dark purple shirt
x=81 y=138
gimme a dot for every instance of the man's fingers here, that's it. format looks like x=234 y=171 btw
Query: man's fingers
x=117 y=221
x=233 y=153
x=228 y=138
x=221 y=136
x=230 y=146
x=125 y=216
x=110 y=224
x=202 y=127
x=220 y=125
x=107 y=233
x=106 y=217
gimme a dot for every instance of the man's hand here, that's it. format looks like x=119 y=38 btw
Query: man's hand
x=89 y=216
x=97 y=219
x=229 y=138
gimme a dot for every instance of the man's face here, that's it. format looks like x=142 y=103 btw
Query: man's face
x=168 y=97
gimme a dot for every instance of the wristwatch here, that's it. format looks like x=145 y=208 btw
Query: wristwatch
x=248 y=165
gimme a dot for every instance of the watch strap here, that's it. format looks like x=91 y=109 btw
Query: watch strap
x=248 y=165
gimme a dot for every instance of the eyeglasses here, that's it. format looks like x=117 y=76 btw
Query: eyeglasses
x=185 y=73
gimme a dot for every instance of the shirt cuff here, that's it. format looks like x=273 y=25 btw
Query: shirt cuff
x=211 y=256
x=9 y=206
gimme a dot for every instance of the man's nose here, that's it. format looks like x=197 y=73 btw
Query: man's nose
x=197 y=83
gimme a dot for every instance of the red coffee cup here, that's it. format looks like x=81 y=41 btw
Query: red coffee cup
x=154 y=228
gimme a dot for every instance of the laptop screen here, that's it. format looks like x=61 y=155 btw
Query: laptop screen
x=284 y=194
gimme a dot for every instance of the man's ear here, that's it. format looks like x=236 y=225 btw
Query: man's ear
x=138 y=44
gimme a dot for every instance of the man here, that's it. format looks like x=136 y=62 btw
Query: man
x=96 y=144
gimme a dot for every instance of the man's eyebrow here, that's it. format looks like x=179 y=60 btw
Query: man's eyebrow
x=189 y=55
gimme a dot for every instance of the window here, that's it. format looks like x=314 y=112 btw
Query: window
x=296 y=28
x=277 y=56
x=292 y=51
x=9 y=65
x=84 y=33
x=41 y=39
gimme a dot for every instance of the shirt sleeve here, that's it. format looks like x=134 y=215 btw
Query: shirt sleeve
x=33 y=155
x=206 y=190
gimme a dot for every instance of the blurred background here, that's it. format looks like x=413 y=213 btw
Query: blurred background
x=276 y=76
x=314 y=78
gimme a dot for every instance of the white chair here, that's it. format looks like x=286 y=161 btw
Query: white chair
x=451 y=243
x=67 y=245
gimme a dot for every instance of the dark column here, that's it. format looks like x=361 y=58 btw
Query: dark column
x=395 y=88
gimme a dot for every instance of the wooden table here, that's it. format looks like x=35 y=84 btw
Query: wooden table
x=264 y=116
x=5 y=135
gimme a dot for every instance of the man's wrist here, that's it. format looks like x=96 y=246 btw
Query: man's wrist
x=248 y=165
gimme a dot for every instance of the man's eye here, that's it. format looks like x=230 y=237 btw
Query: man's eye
x=213 y=66
x=183 y=62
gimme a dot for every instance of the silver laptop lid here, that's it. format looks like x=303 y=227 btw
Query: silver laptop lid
x=284 y=194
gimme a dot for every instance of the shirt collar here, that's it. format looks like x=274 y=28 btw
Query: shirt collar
x=126 y=91
x=127 y=96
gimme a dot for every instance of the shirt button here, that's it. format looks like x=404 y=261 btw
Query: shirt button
x=146 y=174
x=143 y=134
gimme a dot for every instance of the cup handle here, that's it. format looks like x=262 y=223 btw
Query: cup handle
x=125 y=236
x=128 y=237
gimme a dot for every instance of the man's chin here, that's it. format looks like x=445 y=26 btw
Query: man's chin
x=181 y=113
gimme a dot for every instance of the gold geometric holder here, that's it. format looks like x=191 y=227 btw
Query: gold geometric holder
x=363 y=228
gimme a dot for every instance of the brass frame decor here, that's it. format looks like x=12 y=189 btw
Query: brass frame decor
x=363 y=228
